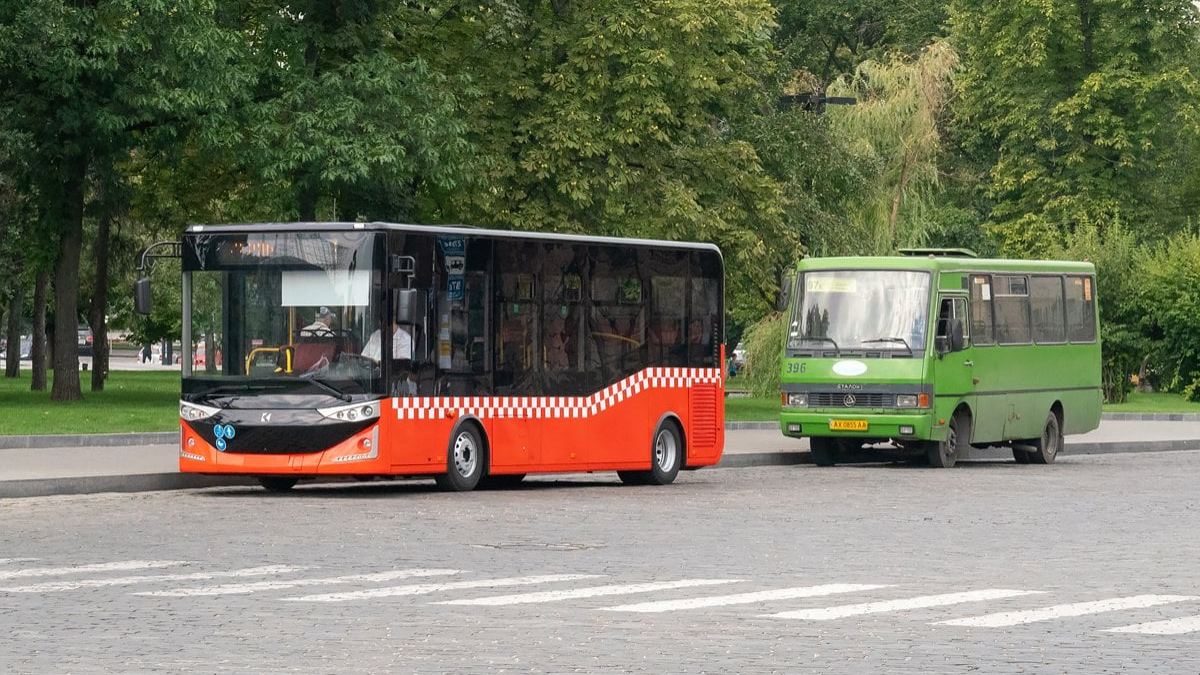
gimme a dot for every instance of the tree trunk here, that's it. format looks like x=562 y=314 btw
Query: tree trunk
x=12 y=362
x=99 y=306
x=37 y=349
x=66 y=289
x=896 y=200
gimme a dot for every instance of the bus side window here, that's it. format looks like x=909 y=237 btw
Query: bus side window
x=1012 y=310
x=981 y=310
x=1081 y=309
x=1046 y=298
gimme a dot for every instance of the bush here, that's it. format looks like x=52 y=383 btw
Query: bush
x=1168 y=300
x=764 y=352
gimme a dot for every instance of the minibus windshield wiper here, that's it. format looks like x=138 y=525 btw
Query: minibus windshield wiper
x=328 y=387
x=891 y=339
x=823 y=339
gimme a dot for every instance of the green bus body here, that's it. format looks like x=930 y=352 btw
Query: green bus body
x=1005 y=384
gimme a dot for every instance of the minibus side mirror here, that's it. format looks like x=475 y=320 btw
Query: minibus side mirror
x=409 y=307
x=142 y=300
x=786 y=282
x=957 y=341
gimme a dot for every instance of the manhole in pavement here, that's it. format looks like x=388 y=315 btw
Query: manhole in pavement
x=540 y=545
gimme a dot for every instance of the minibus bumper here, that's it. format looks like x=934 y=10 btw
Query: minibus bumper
x=915 y=425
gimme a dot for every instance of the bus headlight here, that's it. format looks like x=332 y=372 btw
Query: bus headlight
x=797 y=400
x=190 y=412
x=355 y=412
x=912 y=400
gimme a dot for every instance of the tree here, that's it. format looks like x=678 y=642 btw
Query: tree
x=85 y=80
x=1075 y=107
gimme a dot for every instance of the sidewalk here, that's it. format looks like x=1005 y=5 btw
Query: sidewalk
x=29 y=472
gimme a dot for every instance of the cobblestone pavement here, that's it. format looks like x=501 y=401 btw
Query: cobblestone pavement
x=1087 y=566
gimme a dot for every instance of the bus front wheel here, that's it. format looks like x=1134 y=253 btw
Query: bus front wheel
x=945 y=453
x=464 y=461
x=666 y=458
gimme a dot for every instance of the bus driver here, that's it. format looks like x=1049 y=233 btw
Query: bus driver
x=401 y=344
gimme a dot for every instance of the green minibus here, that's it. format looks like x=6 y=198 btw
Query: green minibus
x=933 y=351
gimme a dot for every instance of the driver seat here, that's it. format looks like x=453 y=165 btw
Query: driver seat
x=313 y=354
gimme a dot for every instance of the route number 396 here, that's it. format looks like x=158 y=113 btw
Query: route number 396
x=794 y=367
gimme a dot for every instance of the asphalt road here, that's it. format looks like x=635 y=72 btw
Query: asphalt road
x=1091 y=565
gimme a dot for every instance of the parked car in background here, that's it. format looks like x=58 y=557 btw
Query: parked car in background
x=26 y=346
x=85 y=341
x=739 y=356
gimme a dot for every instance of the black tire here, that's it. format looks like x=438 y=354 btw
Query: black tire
x=945 y=453
x=1044 y=450
x=1021 y=455
x=666 y=458
x=465 y=461
x=277 y=483
x=501 y=482
x=824 y=450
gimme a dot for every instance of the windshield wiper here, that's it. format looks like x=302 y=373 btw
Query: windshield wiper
x=836 y=348
x=328 y=387
x=234 y=389
x=891 y=339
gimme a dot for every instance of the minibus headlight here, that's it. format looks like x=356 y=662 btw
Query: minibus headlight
x=906 y=401
x=190 y=412
x=795 y=400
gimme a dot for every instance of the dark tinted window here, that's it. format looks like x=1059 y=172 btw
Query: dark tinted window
x=518 y=334
x=706 y=321
x=616 y=326
x=981 y=311
x=1081 y=309
x=666 y=336
x=1046 y=301
x=564 y=319
x=1011 y=302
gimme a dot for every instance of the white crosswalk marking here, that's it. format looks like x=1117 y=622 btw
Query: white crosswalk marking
x=919 y=602
x=590 y=592
x=419 y=589
x=1004 y=619
x=52 y=586
x=258 y=586
x=1180 y=626
x=122 y=566
x=744 y=598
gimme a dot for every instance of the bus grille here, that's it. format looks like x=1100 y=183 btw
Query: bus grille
x=705 y=419
x=856 y=399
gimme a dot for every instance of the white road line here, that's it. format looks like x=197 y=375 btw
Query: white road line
x=919 y=602
x=9 y=561
x=590 y=592
x=52 y=586
x=257 y=586
x=419 y=589
x=122 y=566
x=1180 y=626
x=1003 y=619
x=744 y=598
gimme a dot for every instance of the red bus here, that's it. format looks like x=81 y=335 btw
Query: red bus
x=510 y=353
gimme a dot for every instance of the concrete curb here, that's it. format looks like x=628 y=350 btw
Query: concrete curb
x=24 y=442
x=153 y=482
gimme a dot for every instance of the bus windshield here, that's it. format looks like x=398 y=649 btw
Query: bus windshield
x=857 y=311
x=283 y=313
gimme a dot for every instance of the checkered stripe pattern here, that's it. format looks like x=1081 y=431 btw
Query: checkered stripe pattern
x=553 y=407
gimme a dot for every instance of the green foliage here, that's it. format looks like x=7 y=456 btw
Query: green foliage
x=1169 y=299
x=1075 y=105
x=764 y=353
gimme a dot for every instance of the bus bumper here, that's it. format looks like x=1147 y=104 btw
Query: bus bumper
x=357 y=455
x=919 y=424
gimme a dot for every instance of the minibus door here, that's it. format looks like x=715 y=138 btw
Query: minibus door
x=954 y=376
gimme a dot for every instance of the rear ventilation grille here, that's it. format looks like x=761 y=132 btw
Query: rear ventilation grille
x=706 y=419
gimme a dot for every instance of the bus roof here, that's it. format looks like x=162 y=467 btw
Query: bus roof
x=464 y=230
x=946 y=264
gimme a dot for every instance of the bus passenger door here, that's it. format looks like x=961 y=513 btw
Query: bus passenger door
x=954 y=376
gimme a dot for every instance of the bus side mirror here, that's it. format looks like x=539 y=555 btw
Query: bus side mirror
x=142 y=300
x=957 y=341
x=786 y=282
x=409 y=307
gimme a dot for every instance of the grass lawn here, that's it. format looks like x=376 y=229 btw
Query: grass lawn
x=1164 y=403
x=131 y=401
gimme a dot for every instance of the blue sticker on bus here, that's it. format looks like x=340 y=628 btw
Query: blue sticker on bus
x=229 y=431
x=221 y=444
x=219 y=431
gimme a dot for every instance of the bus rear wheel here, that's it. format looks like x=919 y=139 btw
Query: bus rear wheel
x=464 y=461
x=277 y=483
x=824 y=451
x=666 y=458
x=1045 y=449
x=945 y=453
